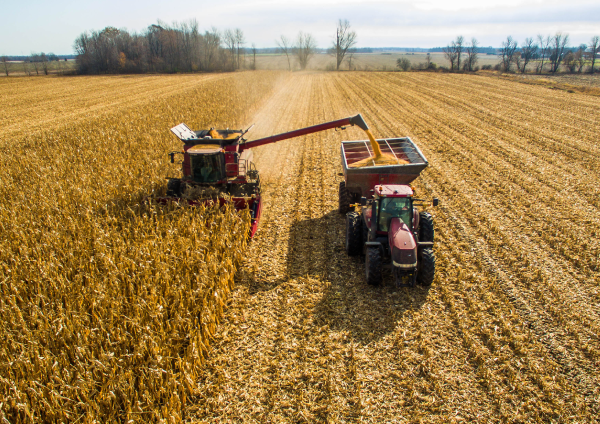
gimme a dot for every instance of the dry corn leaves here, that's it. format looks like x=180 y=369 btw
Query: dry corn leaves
x=108 y=303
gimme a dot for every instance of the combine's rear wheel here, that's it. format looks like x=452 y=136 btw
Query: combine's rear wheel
x=353 y=234
x=426 y=272
x=345 y=198
x=426 y=231
x=373 y=266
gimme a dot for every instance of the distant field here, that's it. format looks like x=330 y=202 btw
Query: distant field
x=28 y=68
x=362 y=61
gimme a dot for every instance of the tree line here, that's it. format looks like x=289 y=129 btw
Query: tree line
x=546 y=52
x=180 y=47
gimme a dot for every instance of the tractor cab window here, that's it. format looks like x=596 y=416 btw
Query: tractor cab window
x=208 y=168
x=394 y=207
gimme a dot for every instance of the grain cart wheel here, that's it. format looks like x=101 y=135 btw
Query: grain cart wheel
x=174 y=188
x=373 y=266
x=353 y=234
x=426 y=271
x=344 y=199
x=426 y=231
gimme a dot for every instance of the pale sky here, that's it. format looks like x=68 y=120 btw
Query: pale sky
x=52 y=25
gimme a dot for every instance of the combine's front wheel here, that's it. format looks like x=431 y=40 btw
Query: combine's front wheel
x=174 y=188
x=426 y=272
x=373 y=266
x=353 y=234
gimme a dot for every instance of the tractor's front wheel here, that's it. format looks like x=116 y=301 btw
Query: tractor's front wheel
x=353 y=234
x=426 y=231
x=345 y=198
x=426 y=271
x=373 y=266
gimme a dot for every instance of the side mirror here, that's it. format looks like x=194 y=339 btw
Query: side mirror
x=363 y=201
x=436 y=201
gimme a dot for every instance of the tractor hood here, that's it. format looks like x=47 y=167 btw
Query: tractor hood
x=403 y=247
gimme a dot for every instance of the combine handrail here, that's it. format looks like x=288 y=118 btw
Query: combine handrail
x=353 y=120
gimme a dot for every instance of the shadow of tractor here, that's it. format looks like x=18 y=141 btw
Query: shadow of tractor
x=316 y=253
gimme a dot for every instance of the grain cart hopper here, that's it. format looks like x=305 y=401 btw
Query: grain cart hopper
x=389 y=229
x=217 y=166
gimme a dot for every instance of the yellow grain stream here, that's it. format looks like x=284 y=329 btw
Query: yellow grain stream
x=108 y=304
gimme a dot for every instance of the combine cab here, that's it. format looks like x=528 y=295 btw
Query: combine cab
x=389 y=230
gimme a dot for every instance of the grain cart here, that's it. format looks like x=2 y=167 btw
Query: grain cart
x=389 y=229
x=217 y=166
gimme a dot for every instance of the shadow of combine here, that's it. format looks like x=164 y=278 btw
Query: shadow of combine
x=365 y=313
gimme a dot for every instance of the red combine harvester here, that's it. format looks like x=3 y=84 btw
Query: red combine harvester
x=217 y=166
x=389 y=230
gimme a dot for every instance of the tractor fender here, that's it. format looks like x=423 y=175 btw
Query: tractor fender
x=403 y=247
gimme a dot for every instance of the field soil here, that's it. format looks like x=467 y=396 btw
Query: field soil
x=509 y=330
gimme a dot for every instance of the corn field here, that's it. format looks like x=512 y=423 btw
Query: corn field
x=117 y=310
x=108 y=303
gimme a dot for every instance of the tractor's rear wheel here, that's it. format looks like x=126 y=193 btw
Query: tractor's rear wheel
x=345 y=198
x=426 y=272
x=426 y=231
x=353 y=234
x=373 y=266
x=174 y=188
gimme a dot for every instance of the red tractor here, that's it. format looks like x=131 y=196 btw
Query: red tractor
x=217 y=165
x=389 y=230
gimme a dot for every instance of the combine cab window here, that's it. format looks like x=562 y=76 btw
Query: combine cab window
x=394 y=207
x=208 y=168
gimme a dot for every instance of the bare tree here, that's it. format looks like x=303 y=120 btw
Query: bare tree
x=472 y=51
x=507 y=53
x=428 y=61
x=4 y=61
x=528 y=52
x=285 y=46
x=450 y=55
x=304 y=49
x=229 y=39
x=544 y=49
x=35 y=59
x=253 y=56
x=557 y=50
x=26 y=68
x=44 y=60
x=458 y=48
x=579 y=58
x=594 y=48
x=240 y=40
x=211 y=43
x=344 y=40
